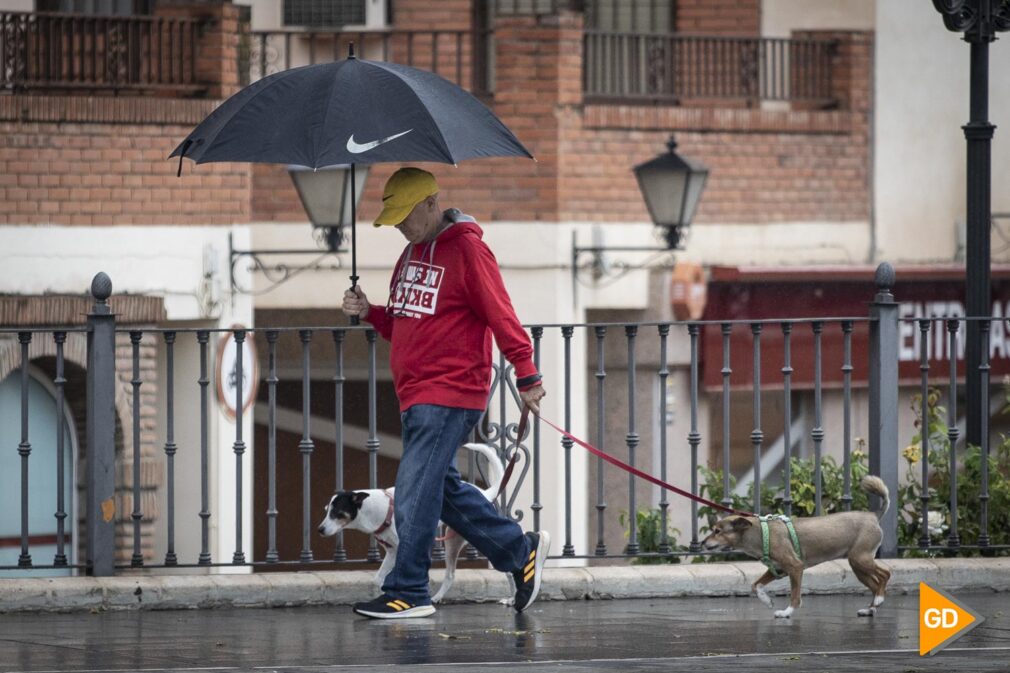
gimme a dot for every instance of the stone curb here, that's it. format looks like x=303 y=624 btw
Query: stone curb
x=179 y=592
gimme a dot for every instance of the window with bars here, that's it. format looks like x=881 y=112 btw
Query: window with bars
x=630 y=16
x=324 y=13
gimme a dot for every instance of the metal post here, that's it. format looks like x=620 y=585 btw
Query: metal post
x=631 y=439
x=170 y=447
x=726 y=371
x=883 y=438
x=983 y=497
x=537 y=333
x=817 y=432
x=569 y=549
x=137 y=560
x=979 y=20
x=101 y=419
x=372 y=443
x=925 y=326
x=978 y=133
x=24 y=450
x=694 y=437
x=306 y=447
x=953 y=539
x=787 y=400
x=238 y=557
x=664 y=544
x=272 y=380
x=60 y=381
x=756 y=435
x=203 y=337
x=601 y=375
x=339 y=553
x=847 y=416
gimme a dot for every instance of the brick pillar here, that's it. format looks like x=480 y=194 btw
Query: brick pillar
x=850 y=66
x=537 y=81
x=218 y=42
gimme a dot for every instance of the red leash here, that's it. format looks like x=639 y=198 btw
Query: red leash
x=633 y=470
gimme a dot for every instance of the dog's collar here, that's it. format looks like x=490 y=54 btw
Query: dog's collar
x=389 y=516
x=766 y=541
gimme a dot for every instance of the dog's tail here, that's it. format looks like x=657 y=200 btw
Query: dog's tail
x=876 y=486
x=495 y=469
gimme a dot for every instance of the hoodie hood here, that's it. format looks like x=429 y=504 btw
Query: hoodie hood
x=462 y=224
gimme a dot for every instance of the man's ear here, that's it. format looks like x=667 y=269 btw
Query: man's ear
x=359 y=497
x=741 y=524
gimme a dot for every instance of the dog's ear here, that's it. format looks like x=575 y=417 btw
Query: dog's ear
x=359 y=497
x=741 y=524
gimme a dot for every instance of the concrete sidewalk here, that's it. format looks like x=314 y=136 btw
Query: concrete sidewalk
x=168 y=592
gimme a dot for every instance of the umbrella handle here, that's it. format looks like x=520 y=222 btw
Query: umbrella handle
x=355 y=321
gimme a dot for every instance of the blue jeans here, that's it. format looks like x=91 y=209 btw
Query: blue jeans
x=429 y=488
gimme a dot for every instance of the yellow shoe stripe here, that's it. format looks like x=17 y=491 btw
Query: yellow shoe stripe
x=529 y=566
x=394 y=605
x=403 y=604
x=529 y=576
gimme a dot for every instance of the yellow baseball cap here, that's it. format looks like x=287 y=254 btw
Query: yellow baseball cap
x=405 y=189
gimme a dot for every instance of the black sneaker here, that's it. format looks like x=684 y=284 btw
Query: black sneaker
x=528 y=577
x=387 y=607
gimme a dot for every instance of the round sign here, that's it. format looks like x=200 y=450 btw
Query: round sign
x=228 y=373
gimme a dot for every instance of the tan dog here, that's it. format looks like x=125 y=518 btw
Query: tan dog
x=853 y=535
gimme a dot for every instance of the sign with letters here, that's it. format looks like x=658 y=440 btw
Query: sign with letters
x=416 y=294
x=942 y=620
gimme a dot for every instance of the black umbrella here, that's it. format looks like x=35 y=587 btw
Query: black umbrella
x=350 y=112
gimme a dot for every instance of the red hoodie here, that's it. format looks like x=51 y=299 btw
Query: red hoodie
x=443 y=308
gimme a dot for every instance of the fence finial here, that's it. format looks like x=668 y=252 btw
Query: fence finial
x=884 y=279
x=101 y=290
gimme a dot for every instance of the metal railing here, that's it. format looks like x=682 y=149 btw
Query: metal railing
x=453 y=54
x=674 y=69
x=742 y=342
x=54 y=52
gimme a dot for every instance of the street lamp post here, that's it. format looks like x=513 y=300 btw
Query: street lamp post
x=979 y=20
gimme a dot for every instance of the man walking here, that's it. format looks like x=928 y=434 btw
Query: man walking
x=446 y=300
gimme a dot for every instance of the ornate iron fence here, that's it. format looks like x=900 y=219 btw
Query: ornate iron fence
x=675 y=69
x=54 y=52
x=454 y=54
x=937 y=482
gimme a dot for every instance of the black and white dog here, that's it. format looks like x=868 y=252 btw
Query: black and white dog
x=371 y=511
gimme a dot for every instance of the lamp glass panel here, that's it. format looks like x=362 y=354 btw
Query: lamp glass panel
x=663 y=190
x=695 y=185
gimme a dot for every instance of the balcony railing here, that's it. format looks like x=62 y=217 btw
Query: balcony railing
x=50 y=52
x=456 y=55
x=676 y=69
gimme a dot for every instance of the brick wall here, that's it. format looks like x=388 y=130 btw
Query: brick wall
x=719 y=17
x=766 y=165
x=98 y=174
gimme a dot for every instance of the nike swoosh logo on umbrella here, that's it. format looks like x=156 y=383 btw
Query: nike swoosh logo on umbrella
x=355 y=148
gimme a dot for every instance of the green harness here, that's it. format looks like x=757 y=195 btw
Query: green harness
x=766 y=542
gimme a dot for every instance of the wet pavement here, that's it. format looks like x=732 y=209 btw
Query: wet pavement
x=691 y=634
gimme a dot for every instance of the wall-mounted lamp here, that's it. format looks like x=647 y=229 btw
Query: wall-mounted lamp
x=671 y=186
x=326 y=196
